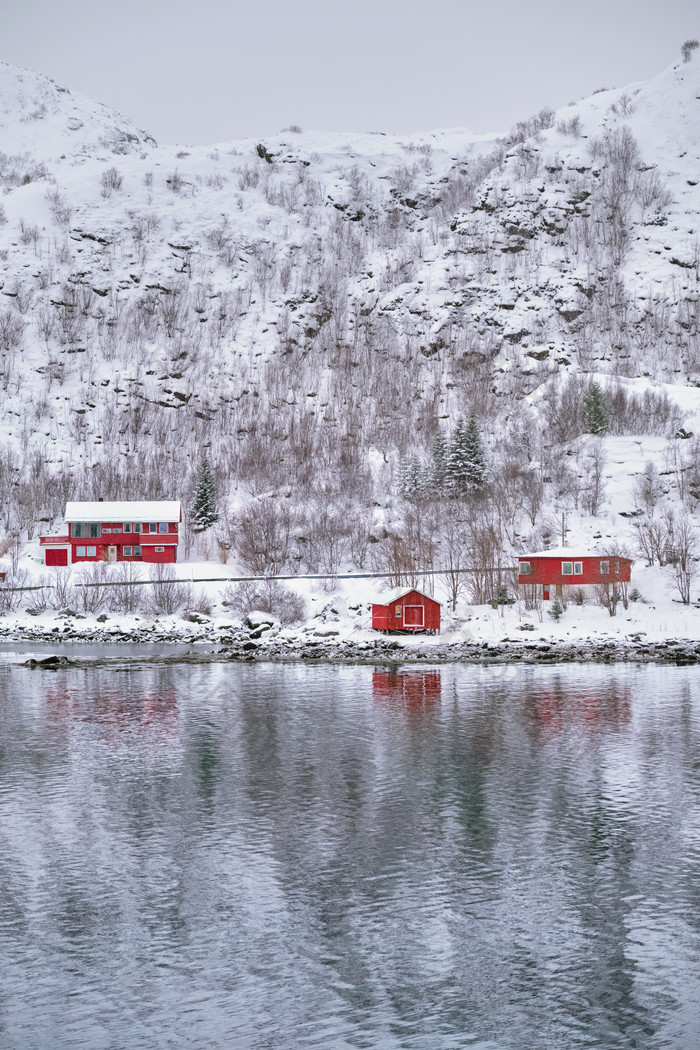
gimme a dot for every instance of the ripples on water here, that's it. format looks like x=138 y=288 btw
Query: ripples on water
x=300 y=857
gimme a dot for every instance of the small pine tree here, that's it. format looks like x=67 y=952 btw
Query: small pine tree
x=466 y=471
x=204 y=512
x=439 y=465
x=595 y=410
x=557 y=610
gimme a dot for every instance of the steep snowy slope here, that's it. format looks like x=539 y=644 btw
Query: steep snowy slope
x=311 y=310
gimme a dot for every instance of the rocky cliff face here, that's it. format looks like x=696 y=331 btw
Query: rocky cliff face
x=312 y=308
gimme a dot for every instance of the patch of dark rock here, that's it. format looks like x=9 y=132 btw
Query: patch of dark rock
x=49 y=663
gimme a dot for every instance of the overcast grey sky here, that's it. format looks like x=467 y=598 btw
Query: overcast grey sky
x=201 y=71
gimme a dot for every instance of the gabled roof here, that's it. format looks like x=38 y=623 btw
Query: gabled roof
x=398 y=592
x=123 y=510
x=570 y=554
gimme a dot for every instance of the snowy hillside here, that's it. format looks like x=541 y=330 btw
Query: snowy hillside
x=314 y=314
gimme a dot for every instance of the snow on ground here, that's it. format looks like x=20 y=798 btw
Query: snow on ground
x=343 y=613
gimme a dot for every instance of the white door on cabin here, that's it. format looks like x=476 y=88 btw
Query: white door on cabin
x=111 y=554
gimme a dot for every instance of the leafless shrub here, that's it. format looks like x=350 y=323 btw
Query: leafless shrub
x=59 y=207
x=63 y=592
x=609 y=596
x=28 y=233
x=578 y=596
x=268 y=596
x=92 y=598
x=111 y=180
x=198 y=602
x=684 y=554
x=571 y=127
x=176 y=182
x=126 y=595
x=651 y=539
x=11 y=594
x=264 y=533
x=39 y=598
x=165 y=595
x=647 y=489
x=593 y=483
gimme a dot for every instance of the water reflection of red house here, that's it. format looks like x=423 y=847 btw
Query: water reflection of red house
x=606 y=707
x=416 y=689
x=112 y=710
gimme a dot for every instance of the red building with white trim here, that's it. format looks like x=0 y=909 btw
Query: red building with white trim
x=568 y=567
x=403 y=610
x=116 y=531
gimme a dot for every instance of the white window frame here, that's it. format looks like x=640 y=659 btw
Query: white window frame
x=80 y=552
x=605 y=567
x=126 y=551
x=567 y=568
x=578 y=568
x=159 y=550
x=91 y=552
x=525 y=568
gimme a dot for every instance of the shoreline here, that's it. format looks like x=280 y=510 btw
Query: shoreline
x=227 y=643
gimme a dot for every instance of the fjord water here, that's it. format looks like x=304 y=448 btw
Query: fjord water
x=259 y=856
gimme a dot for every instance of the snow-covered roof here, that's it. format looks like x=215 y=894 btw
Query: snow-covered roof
x=398 y=592
x=567 y=553
x=123 y=510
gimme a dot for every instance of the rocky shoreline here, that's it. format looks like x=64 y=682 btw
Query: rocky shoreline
x=236 y=643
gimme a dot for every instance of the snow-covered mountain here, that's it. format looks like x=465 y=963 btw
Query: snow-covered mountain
x=313 y=310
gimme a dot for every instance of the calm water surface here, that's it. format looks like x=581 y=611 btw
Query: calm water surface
x=296 y=857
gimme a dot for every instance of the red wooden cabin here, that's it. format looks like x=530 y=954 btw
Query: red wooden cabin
x=568 y=567
x=134 y=530
x=403 y=610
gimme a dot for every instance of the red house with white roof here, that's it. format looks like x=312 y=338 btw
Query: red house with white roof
x=121 y=530
x=406 y=610
x=569 y=567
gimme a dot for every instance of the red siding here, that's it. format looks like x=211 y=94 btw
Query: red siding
x=56 y=556
x=547 y=570
x=416 y=612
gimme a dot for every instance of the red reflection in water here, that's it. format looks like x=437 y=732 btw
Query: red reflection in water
x=113 y=711
x=413 y=689
x=558 y=708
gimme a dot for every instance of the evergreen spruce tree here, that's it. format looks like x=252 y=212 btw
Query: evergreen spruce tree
x=203 y=512
x=439 y=464
x=466 y=470
x=411 y=476
x=595 y=410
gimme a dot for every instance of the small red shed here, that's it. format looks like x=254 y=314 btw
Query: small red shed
x=403 y=610
x=569 y=567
